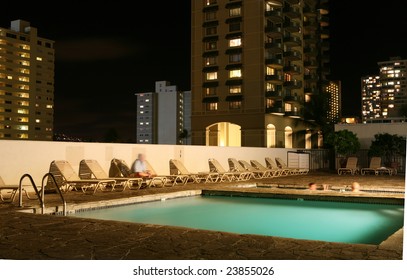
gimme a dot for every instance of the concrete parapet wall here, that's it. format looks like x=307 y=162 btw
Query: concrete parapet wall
x=34 y=157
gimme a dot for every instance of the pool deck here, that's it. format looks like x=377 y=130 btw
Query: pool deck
x=25 y=236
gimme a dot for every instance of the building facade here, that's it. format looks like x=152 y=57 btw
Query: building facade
x=384 y=96
x=26 y=83
x=334 y=93
x=163 y=116
x=256 y=68
x=371 y=98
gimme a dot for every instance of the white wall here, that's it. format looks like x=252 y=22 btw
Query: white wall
x=366 y=132
x=34 y=157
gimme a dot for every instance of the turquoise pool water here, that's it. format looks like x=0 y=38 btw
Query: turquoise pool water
x=300 y=219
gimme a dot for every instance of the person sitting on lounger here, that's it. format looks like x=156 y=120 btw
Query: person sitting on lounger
x=140 y=168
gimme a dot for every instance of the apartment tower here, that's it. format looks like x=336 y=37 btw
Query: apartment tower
x=163 y=116
x=256 y=66
x=26 y=83
x=384 y=96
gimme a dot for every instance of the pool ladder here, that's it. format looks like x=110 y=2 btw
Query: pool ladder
x=40 y=193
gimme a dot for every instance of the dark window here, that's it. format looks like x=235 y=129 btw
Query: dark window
x=211 y=30
x=234 y=26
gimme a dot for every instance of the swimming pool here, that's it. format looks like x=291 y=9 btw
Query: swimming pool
x=292 y=218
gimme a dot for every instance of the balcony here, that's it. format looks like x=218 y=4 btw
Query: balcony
x=292 y=26
x=310 y=38
x=293 y=114
x=310 y=90
x=234 y=4
x=311 y=64
x=210 y=99
x=324 y=33
x=275 y=78
x=292 y=2
x=323 y=7
x=275 y=94
x=274 y=15
x=274 y=62
x=324 y=21
x=309 y=11
x=292 y=12
x=274 y=47
x=292 y=41
x=310 y=25
x=291 y=99
x=292 y=55
x=310 y=51
x=311 y=77
x=292 y=84
x=325 y=45
x=274 y=31
x=211 y=8
x=292 y=69
x=276 y=110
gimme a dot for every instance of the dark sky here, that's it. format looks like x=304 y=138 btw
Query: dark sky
x=107 y=52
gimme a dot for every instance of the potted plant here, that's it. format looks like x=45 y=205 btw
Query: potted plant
x=345 y=143
x=390 y=147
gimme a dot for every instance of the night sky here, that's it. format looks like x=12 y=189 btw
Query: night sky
x=107 y=52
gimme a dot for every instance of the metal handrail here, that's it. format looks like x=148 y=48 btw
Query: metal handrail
x=58 y=190
x=20 y=192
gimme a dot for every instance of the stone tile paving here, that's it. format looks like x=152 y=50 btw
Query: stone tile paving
x=49 y=237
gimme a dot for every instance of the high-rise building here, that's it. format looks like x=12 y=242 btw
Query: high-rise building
x=163 y=116
x=26 y=83
x=371 y=98
x=256 y=66
x=384 y=96
x=393 y=78
x=334 y=92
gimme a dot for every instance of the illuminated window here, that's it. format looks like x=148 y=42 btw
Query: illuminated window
x=22 y=111
x=211 y=75
x=270 y=103
x=237 y=73
x=236 y=42
x=25 y=63
x=49 y=106
x=212 y=106
x=235 y=89
x=23 y=79
x=288 y=137
x=22 y=127
x=270 y=87
x=235 y=12
x=271 y=5
x=287 y=107
x=270 y=71
x=9 y=77
x=39 y=58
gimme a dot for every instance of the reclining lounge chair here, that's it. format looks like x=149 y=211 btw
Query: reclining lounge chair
x=91 y=169
x=67 y=179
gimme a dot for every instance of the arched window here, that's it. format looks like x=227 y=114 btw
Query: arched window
x=288 y=139
x=271 y=136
